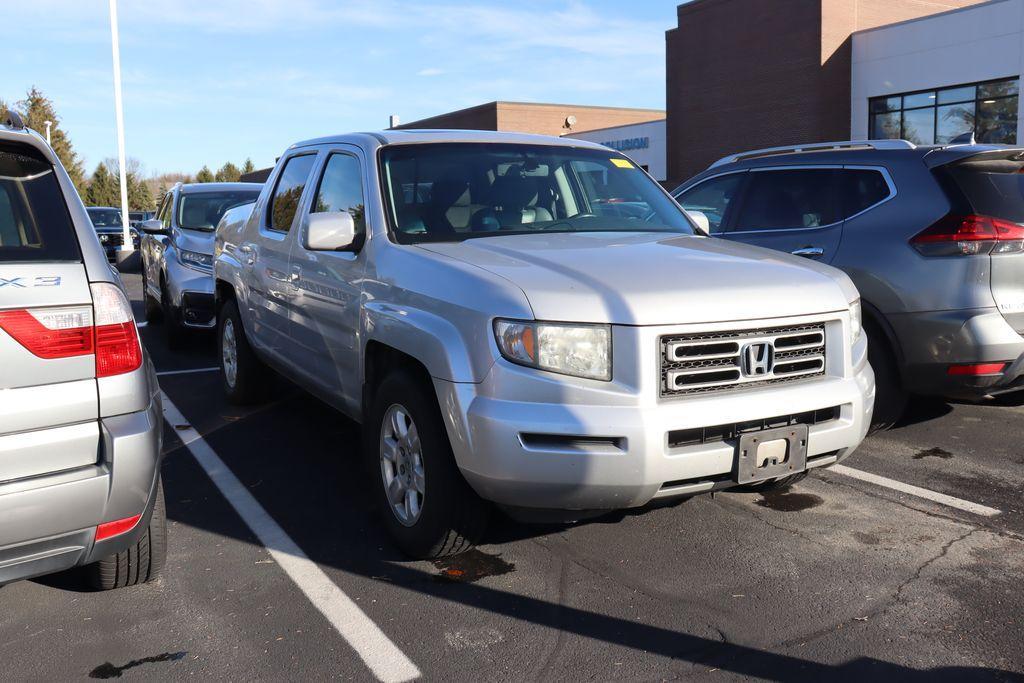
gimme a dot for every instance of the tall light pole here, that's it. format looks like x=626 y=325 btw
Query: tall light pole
x=48 y=124
x=127 y=245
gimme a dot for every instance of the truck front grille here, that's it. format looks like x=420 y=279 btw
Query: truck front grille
x=719 y=361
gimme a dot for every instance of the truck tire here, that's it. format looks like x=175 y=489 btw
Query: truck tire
x=173 y=329
x=139 y=563
x=890 y=396
x=152 y=307
x=243 y=375
x=430 y=511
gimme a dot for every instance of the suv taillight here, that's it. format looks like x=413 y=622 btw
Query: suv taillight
x=107 y=329
x=117 y=339
x=954 y=235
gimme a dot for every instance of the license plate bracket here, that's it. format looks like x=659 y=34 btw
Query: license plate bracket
x=771 y=453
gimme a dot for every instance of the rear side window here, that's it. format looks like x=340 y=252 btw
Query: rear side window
x=993 y=186
x=285 y=201
x=34 y=220
x=712 y=198
x=862 y=189
x=786 y=200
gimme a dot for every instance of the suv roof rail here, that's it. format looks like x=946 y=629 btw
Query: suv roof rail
x=815 y=147
x=13 y=120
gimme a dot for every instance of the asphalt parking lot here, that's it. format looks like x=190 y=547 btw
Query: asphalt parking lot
x=846 y=576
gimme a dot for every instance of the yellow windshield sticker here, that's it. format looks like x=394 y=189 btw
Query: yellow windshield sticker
x=622 y=163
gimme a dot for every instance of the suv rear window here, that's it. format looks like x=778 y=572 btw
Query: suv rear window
x=993 y=185
x=34 y=220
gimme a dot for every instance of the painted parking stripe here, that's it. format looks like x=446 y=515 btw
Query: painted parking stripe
x=384 y=659
x=927 y=494
x=185 y=372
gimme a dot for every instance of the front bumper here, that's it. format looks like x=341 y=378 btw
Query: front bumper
x=191 y=292
x=935 y=340
x=527 y=439
x=48 y=523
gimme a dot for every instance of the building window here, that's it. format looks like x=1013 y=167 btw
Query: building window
x=937 y=116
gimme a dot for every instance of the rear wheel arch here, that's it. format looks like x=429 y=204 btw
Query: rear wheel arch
x=875 y=319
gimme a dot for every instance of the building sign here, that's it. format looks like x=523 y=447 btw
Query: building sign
x=628 y=144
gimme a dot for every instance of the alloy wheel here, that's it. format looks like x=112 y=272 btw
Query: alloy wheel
x=401 y=465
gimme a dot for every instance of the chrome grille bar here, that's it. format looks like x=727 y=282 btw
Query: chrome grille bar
x=701 y=363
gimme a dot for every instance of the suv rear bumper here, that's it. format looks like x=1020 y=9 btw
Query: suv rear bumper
x=567 y=456
x=48 y=523
x=935 y=340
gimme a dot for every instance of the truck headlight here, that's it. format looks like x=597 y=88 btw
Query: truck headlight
x=856 y=325
x=577 y=350
x=196 y=260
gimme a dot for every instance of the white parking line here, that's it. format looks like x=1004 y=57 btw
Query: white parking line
x=185 y=372
x=927 y=494
x=382 y=656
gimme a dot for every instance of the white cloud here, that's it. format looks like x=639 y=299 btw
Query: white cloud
x=430 y=71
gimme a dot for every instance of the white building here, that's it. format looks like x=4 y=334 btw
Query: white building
x=930 y=79
x=644 y=143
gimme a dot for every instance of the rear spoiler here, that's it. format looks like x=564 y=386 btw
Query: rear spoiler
x=941 y=156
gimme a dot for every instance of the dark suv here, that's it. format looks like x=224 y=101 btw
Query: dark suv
x=932 y=237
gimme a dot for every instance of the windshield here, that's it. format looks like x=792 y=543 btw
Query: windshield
x=455 y=191
x=203 y=210
x=105 y=218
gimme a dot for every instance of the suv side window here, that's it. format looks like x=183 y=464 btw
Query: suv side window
x=341 y=189
x=712 y=198
x=862 y=188
x=284 y=203
x=789 y=199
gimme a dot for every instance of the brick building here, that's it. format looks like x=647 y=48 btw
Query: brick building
x=545 y=119
x=747 y=74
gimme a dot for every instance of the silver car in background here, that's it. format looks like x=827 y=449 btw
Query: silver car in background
x=80 y=413
x=177 y=253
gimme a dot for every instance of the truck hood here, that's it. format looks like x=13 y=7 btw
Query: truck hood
x=199 y=241
x=653 y=278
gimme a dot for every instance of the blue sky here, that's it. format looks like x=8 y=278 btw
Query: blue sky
x=208 y=81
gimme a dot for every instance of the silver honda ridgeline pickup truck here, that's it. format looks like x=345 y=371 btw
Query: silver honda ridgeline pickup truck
x=532 y=322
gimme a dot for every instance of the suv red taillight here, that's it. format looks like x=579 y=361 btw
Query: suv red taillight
x=107 y=329
x=117 y=339
x=954 y=235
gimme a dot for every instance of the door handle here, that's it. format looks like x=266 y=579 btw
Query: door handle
x=295 y=275
x=808 y=252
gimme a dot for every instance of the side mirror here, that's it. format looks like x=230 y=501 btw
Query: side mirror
x=701 y=220
x=330 y=231
x=153 y=227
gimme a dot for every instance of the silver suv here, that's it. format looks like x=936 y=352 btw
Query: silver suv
x=933 y=237
x=177 y=254
x=80 y=414
x=506 y=334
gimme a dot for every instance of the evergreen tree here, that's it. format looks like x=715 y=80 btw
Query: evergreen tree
x=247 y=167
x=204 y=175
x=228 y=173
x=103 y=189
x=139 y=197
x=37 y=109
x=3 y=111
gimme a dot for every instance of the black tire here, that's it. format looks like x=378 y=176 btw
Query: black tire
x=153 y=312
x=251 y=376
x=890 y=396
x=780 y=484
x=139 y=563
x=174 y=331
x=453 y=517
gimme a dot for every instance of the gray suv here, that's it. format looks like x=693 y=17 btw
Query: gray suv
x=80 y=413
x=505 y=333
x=177 y=254
x=932 y=237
